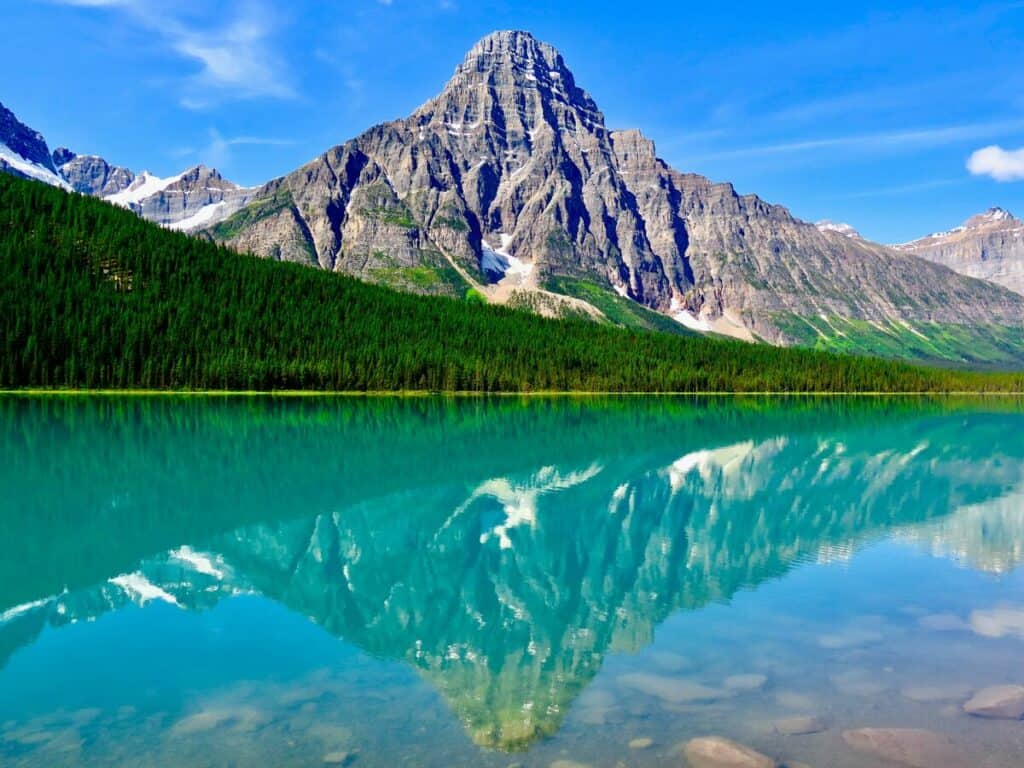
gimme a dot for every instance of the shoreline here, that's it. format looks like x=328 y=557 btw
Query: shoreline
x=297 y=393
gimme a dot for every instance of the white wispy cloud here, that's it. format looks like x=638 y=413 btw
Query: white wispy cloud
x=922 y=137
x=217 y=153
x=902 y=189
x=998 y=163
x=236 y=58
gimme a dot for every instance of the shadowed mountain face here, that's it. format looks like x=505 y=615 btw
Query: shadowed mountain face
x=509 y=180
x=556 y=533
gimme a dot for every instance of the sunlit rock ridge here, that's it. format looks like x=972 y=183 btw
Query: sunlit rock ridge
x=507 y=591
x=989 y=246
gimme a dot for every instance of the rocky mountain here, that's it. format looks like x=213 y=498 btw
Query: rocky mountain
x=23 y=151
x=989 y=246
x=510 y=182
x=91 y=175
x=194 y=198
x=197 y=197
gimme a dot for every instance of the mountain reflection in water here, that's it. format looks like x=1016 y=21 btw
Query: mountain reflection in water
x=502 y=548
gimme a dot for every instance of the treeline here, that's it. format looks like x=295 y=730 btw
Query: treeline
x=93 y=297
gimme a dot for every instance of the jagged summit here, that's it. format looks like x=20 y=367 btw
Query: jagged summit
x=512 y=74
x=516 y=50
x=990 y=217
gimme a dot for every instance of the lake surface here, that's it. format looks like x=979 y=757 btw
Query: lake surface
x=429 y=582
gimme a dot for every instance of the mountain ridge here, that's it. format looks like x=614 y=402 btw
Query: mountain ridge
x=513 y=152
x=509 y=186
x=193 y=198
x=988 y=246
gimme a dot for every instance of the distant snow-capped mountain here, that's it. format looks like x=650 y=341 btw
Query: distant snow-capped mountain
x=839 y=228
x=197 y=197
x=989 y=246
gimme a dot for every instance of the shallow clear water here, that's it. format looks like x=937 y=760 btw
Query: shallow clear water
x=425 y=582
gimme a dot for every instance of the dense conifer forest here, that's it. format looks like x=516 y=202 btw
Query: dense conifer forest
x=91 y=296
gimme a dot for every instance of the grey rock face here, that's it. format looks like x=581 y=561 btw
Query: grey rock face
x=989 y=246
x=23 y=151
x=198 y=197
x=91 y=175
x=513 y=152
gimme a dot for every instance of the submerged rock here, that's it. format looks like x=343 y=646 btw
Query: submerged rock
x=998 y=622
x=675 y=690
x=752 y=682
x=858 y=683
x=794 y=700
x=1001 y=702
x=339 y=758
x=850 y=638
x=716 y=752
x=915 y=747
x=800 y=725
x=641 y=743
x=931 y=693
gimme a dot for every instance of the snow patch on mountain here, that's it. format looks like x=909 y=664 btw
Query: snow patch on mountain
x=145 y=185
x=992 y=218
x=208 y=214
x=839 y=228
x=32 y=170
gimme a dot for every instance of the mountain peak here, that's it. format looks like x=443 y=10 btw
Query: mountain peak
x=514 y=41
x=838 y=227
x=988 y=218
x=517 y=52
x=514 y=71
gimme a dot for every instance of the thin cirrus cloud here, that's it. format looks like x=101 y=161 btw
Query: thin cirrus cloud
x=218 y=152
x=926 y=137
x=997 y=163
x=236 y=58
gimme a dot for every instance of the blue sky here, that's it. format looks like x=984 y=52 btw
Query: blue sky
x=866 y=112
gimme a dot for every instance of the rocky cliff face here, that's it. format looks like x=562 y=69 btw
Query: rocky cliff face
x=194 y=198
x=511 y=179
x=989 y=246
x=91 y=175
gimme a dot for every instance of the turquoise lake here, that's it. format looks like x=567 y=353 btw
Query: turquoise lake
x=207 y=581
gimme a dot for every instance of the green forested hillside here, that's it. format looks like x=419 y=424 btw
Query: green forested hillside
x=92 y=296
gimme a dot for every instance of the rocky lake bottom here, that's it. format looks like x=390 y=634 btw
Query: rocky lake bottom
x=565 y=583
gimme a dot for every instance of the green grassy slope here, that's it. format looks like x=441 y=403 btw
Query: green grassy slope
x=992 y=346
x=92 y=296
